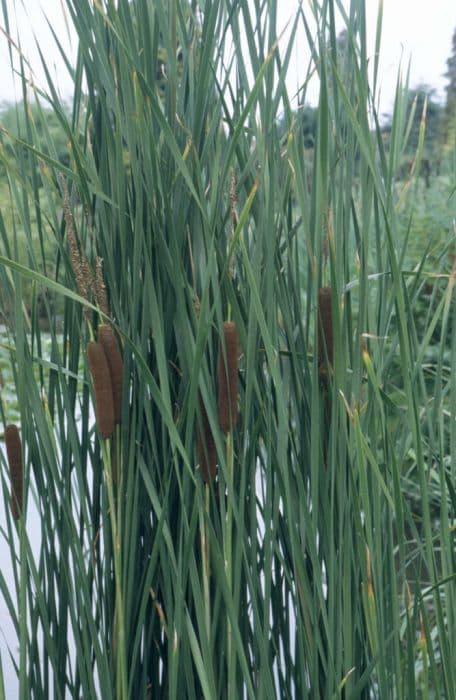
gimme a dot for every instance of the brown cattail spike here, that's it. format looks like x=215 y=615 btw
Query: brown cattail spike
x=104 y=402
x=14 y=454
x=228 y=377
x=205 y=446
x=111 y=349
x=325 y=330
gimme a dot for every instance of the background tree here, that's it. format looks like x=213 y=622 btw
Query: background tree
x=306 y=119
x=415 y=100
x=450 y=106
x=414 y=107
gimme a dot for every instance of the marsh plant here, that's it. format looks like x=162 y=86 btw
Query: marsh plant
x=219 y=447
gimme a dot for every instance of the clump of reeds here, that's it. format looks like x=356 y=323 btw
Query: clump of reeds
x=101 y=378
x=108 y=340
x=325 y=343
x=14 y=454
x=205 y=445
x=228 y=377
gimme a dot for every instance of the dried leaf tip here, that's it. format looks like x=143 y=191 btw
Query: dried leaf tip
x=102 y=387
x=228 y=377
x=108 y=340
x=14 y=455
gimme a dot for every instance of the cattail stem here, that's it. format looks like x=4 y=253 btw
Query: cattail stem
x=205 y=445
x=229 y=562
x=325 y=341
x=228 y=377
x=119 y=618
x=108 y=340
x=205 y=557
x=101 y=378
x=325 y=349
x=14 y=454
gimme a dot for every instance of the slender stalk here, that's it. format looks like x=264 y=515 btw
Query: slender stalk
x=24 y=687
x=120 y=652
x=206 y=566
x=231 y=656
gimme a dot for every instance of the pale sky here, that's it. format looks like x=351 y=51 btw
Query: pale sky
x=419 y=30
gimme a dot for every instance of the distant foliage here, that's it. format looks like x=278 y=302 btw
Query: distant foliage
x=41 y=125
x=450 y=106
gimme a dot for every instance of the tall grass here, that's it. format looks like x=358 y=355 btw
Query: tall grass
x=310 y=552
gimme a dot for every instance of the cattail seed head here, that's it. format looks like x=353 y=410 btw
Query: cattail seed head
x=325 y=342
x=205 y=445
x=108 y=340
x=100 y=287
x=78 y=259
x=228 y=377
x=14 y=454
x=101 y=378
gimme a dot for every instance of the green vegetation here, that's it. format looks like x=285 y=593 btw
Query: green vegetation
x=180 y=191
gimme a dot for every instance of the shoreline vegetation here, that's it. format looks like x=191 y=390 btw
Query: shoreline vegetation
x=227 y=354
